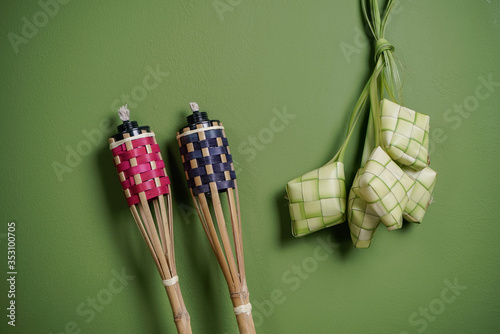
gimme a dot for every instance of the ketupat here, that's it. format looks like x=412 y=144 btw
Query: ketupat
x=362 y=217
x=405 y=135
x=420 y=195
x=394 y=180
x=317 y=199
x=382 y=191
x=384 y=185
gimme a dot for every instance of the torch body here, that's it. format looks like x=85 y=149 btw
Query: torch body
x=210 y=175
x=146 y=187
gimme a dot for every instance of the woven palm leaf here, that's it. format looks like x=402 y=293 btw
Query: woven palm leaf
x=420 y=195
x=383 y=184
x=361 y=216
x=405 y=135
x=317 y=199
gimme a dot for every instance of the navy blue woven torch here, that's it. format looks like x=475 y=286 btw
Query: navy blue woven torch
x=211 y=179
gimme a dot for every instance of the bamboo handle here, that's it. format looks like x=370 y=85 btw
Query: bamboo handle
x=181 y=316
x=245 y=321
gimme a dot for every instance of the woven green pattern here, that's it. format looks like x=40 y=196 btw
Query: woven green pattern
x=384 y=184
x=420 y=195
x=361 y=216
x=317 y=199
x=405 y=135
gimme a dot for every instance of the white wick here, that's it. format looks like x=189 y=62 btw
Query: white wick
x=194 y=106
x=124 y=113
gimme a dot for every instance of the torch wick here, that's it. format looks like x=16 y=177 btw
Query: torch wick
x=194 y=106
x=124 y=113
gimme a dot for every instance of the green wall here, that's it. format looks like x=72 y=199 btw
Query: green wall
x=255 y=60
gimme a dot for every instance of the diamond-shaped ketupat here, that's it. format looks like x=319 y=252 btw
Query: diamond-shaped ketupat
x=384 y=185
x=420 y=195
x=361 y=216
x=317 y=199
x=405 y=135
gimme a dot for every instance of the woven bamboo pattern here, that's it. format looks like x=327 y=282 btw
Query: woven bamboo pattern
x=210 y=175
x=149 y=167
x=420 y=195
x=405 y=135
x=317 y=199
x=146 y=186
x=383 y=184
x=207 y=160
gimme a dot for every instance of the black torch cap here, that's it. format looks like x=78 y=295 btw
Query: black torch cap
x=130 y=127
x=197 y=117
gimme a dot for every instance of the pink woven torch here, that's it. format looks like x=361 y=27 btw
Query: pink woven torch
x=146 y=187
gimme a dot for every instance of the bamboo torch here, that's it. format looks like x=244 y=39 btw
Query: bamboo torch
x=211 y=178
x=146 y=186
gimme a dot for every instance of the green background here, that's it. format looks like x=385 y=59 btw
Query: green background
x=242 y=66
